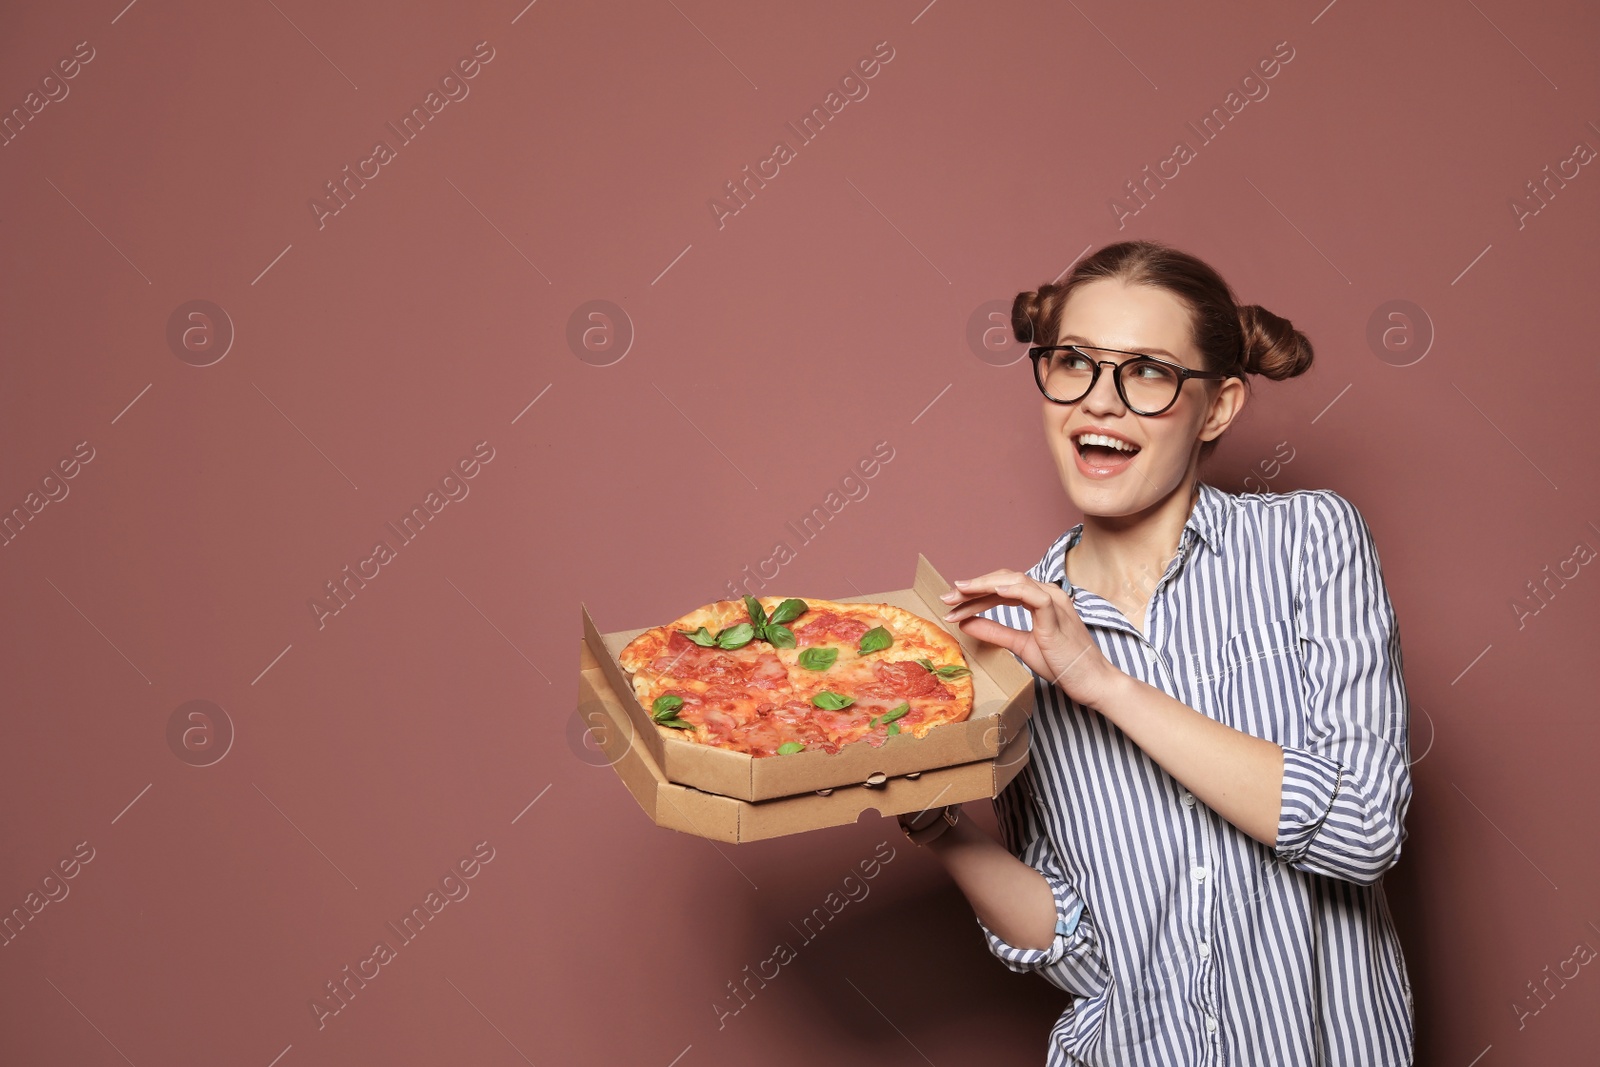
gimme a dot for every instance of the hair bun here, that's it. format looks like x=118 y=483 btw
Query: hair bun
x=1272 y=346
x=1026 y=313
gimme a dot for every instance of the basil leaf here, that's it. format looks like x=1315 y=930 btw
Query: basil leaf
x=758 y=617
x=818 y=659
x=789 y=748
x=894 y=713
x=832 y=701
x=779 y=636
x=875 y=640
x=665 y=712
x=947 y=671
x=701 y=637
x=894 y=728
x=789 y=610
x=736 y=636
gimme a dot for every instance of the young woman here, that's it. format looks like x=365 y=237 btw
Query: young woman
x=1219 y=771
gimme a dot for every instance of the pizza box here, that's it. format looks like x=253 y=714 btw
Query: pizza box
x=722 y=818
x=1002 y=702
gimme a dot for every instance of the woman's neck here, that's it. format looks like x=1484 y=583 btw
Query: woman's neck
x=1122 y=557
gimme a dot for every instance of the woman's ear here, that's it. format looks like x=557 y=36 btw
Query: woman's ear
x=1224 y=408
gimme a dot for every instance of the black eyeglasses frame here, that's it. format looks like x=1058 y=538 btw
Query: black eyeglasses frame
x=1038 y=352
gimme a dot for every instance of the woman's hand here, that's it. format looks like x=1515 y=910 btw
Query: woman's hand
x=1058 y=647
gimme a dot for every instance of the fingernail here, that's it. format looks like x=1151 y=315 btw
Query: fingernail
x=962 y=581
x=950 y=596
x=949 y=615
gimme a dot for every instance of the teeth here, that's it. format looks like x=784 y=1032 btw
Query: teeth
x=1108 y=442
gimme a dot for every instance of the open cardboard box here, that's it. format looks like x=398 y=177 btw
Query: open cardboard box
x=722 y=818
x=1002 y=703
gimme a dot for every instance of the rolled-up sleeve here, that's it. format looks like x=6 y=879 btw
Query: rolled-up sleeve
x=1074 y=961
x=1347 y=787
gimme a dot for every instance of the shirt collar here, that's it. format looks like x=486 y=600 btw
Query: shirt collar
x=1212 y=513
x=1208 y=523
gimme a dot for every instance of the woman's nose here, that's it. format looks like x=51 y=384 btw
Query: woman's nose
x=1103 y=396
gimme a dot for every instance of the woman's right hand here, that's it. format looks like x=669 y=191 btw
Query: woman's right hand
x=1058 y=647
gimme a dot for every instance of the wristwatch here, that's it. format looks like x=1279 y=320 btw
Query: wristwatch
x=920 y=829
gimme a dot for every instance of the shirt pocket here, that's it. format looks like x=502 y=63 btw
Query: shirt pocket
x=1257 y=684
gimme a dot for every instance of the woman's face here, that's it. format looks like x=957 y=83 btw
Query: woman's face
x=1111 y=314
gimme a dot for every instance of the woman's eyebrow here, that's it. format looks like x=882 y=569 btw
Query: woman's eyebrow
x=1075 y=339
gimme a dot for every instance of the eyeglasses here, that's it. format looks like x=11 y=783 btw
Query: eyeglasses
x=1147 y=385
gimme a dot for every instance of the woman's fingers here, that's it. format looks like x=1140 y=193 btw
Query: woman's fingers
x=1008 y=587
x=1018 y=589
x=972 y=607
x=982 y=583
x=1056 y=643
x=986 y=591
x=1016 y=642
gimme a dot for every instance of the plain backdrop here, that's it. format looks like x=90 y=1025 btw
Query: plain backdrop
x=657 y=379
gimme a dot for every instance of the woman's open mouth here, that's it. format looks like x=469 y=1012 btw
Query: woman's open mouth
x=1101 y=456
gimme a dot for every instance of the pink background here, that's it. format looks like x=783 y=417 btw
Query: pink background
x=362 y=758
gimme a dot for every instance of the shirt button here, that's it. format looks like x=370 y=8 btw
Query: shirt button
x=1199 y=874
x=1205 y=949
x=1188 y=800
x=1211 y=1024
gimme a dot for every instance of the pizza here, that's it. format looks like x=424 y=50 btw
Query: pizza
x=780 y=675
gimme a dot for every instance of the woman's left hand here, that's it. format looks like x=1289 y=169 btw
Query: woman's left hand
x=1058 y=647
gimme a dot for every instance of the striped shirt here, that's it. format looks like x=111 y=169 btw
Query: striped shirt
x=1183 y=940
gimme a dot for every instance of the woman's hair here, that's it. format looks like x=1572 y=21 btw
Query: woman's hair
x=1234 y=338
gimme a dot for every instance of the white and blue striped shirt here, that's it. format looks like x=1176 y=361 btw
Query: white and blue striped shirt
x=1183 y=940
